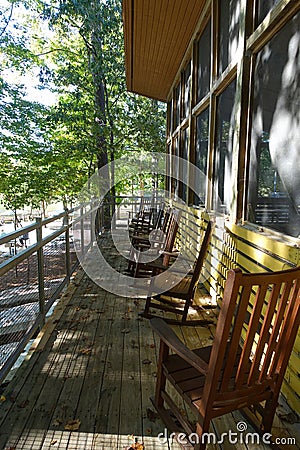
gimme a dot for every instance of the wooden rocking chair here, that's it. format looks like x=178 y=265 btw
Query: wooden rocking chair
x=157 y=245
x=143 y=240
x=181 y=295
x=245 y=366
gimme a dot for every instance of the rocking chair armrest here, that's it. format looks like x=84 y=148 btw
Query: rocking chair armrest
x=175 y=253
x=167 y=335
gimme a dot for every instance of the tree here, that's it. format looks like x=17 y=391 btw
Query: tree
x=77 y=47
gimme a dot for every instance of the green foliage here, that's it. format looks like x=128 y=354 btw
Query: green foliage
x=75 y=49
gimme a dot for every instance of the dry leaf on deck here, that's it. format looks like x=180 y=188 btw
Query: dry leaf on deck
x=135 y=446
x=85 y=351
x=2 y=398
x=146 y=361
x=23 y=404
x=152 y=415
x=57 y=422
x=72 y=425
x=126 y=330
x=288 y=417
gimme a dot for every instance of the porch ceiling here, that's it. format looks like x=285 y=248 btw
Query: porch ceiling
x=157 y=34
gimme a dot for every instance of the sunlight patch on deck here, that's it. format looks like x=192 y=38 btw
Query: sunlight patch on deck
x=76 y=440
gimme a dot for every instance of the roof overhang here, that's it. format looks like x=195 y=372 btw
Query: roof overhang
x=157 y=34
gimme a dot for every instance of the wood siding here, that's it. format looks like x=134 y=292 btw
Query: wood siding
x=235 y=246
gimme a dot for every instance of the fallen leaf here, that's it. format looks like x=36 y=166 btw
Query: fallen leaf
x=288 y=417
x=72 y=425
x=57 y=422
x=2 y=398
x=152 y=415
x=23 y=404
x=134 y=344
x=126 y=330
x=53 y=442
x=85 y=351
x=135 y=446
x=146 y=361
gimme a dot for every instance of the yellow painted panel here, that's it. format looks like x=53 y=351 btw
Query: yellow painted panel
x=291 y=397
x=287 y=250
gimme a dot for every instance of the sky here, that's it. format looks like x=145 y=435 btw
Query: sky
x=30 y=80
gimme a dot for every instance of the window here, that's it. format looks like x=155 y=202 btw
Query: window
x=274 y=173
x=201 y=156
x=263 y=7
x=169 y=118
x=229 y=13
x=168 y=179
x=204 y=69
x=187 y=90
x=223 y=153
x=184 y=155
x=175 y=167
x=177 y=106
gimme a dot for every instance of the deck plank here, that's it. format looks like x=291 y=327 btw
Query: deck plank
x=95 y=361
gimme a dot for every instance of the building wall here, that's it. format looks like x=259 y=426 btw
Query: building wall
x=234 y=112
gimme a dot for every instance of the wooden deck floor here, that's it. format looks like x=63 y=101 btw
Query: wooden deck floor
x=87 y=382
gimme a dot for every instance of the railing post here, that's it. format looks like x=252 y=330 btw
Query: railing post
x=91 y=222
x=67 y=239
x=40 y=261
x=82 y=230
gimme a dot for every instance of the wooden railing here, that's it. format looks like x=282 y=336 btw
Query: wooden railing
x=32 y=278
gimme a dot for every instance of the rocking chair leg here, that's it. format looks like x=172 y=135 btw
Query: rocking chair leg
x=161 y=378
x=147 y=306
x=269 y=413
x=202 y=431
x=137 y=268
x=186 y=309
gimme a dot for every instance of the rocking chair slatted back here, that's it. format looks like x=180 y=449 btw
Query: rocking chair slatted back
x=245 y=366
x=266 y=337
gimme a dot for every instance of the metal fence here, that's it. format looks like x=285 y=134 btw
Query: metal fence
x=32 y=276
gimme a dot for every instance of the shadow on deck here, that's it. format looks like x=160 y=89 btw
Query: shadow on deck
x=87 y=381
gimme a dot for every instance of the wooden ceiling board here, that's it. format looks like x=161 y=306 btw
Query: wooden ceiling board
x=169 y=34
x=127 y=43
x=149 y=51
x=157 y=34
